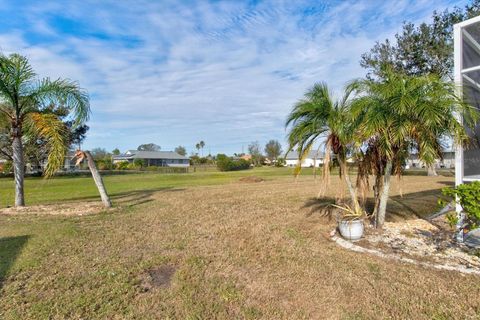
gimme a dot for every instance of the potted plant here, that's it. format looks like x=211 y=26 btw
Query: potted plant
x=350 y=222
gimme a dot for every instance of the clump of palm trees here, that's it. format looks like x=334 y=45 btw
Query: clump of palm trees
x=378 y=123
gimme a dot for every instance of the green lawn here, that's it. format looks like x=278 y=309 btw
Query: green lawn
x=41 y=191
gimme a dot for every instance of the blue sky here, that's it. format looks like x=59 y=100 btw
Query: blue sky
x=177 y=72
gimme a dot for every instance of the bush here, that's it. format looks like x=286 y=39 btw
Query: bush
x=139 y=163
x=468 y=196
x=7 y=167
x=224 y=163
x=151 y=168
x=105 y=164
x=122 y=165
x=280 y=162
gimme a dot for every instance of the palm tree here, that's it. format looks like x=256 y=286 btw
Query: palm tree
x=202 y=145
x=399 y=112
x=23 y=103
x=81 y=155
x=318 y=116
x=197 y=146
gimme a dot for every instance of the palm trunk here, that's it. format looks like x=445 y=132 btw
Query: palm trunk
x=351 y=189
x=98 y=180
x=431 y=172
x=376 y=195
x=382 y=205
x=18 y=166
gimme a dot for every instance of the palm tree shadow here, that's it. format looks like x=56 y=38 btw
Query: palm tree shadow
x=10 y=249
x=322 y=206
x=138 y=197
x=415 y=205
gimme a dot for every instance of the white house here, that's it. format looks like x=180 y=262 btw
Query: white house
x=313 y=159
x=447 y=161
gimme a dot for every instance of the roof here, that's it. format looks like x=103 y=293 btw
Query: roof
x=135 y=154
x=293 y=155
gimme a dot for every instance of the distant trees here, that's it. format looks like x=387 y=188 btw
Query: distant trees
x=273 y=149
x=116 y=151
x=28 y=108
x=254 y=150
x=423 y=49
x=99 y=153
x=199 y=146
x=181 y=150
x=149 y=147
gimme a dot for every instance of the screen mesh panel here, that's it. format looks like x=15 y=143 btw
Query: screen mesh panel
x=471 y=93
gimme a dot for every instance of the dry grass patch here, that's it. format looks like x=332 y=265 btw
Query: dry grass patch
x=241 y=251
x=66 y=209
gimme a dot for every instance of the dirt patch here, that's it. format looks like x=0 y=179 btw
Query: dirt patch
x=160 y=277
x=67 y=209
x=251 y=179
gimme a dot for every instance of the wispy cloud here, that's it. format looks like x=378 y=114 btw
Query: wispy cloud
x=177 y=72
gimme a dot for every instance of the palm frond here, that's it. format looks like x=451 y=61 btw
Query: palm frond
x=53 y=130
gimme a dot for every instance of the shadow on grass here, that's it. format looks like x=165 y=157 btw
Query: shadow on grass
x=322 y=206
x=137 y=197
x=415 y=205
x=128 y=198
x=10 y=248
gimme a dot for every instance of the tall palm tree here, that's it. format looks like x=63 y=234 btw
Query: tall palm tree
x=202 y=145
x=317 y=116
x=25 y=102
x=400 y=111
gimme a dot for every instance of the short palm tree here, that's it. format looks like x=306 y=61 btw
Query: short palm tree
x=25 y=102
x=318 y=117
x=398 y=112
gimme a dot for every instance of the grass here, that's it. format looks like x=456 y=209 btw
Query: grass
x=239 y=250
x=41 y=191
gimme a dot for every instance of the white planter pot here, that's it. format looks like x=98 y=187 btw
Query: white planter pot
x=351 y=229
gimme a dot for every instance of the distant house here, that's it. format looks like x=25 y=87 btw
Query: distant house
x=447 y=161
x=154 y=158
x=313 y=159
x=247 y=157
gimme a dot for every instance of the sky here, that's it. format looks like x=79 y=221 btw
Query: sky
x=177 y=72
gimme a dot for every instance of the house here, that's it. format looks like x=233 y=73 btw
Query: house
x=313 y=159
x=154 y=158
x=447 y=161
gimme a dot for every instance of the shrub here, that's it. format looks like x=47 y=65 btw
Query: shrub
x=105 y=164
x=152 y=168
x=7 y=167
x=122 y=165
x=280 y=162
x=224 y=163
x=468 y=196
x=139 y=163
